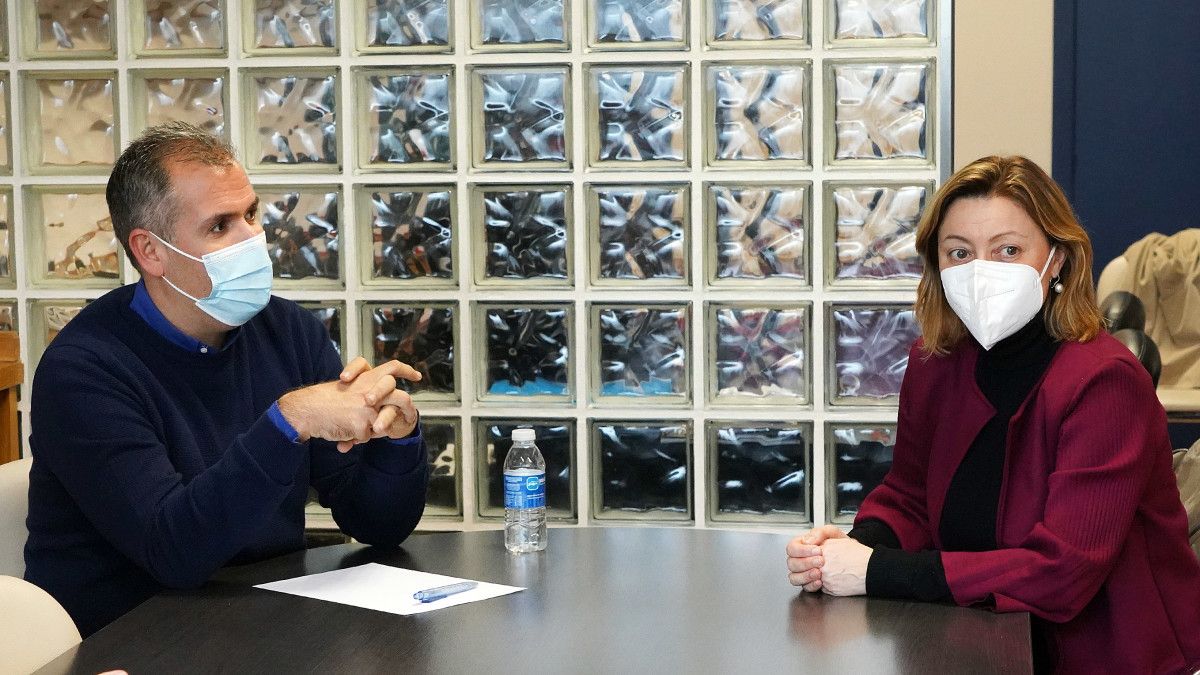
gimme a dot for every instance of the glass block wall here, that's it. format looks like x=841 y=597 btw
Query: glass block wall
x=673 y=236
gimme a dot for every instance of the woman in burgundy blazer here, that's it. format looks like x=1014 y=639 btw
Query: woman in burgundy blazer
x=1051 y=441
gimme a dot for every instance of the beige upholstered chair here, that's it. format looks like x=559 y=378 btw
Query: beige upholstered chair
x=14 y=506
x=1187 y=473
x=34 y=628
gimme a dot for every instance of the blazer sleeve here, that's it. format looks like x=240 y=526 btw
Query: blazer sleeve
x=1106 y=442
x=899 y=501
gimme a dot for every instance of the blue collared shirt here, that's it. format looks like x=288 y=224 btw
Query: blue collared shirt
x=144 y=305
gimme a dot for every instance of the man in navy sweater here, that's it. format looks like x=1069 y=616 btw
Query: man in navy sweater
x=177 y=423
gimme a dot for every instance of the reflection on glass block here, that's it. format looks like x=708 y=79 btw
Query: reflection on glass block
x=331 y=316
x=880 y=110
x=871 y=351
x=876 y=231
x=8 y=315
x=761 y=470
x=76 y=119
x=643 y=231
x=859 y=456
x=408 y=23
x=761 y=353
x=302 y=231
x=526 y=233
x=422 y=337
x=521 y=22
x=412 y=233
x=295 y=118
x=555 y=440
x=441 y=443
x=857 y=19
x=6 y=236
x=70 y=26
x=644 y=469
x=739 y=20
x=56 y=318
x=643 y=351
x=760 y=112
x=640 y=114
x=524 y=115
x=760 y=231
x=409 y=117
x=633 y=21
x=77 y=237
x=285 y=24
x=5 y=156
x=184 y=24
x=195 y=99
x=527 y=351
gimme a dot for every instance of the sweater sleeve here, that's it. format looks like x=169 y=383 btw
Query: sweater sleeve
x=899 y=501
x=99 y=437
x=907 y=575
x=874 y=532
x=1104 y=457
x=376 y=491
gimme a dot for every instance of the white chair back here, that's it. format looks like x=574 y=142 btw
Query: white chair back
x=34 y=628
x=14 y=507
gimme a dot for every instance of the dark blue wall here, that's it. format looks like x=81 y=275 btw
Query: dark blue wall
x=1127 y=117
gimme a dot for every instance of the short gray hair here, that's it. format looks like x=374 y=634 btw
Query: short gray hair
x=139 y=190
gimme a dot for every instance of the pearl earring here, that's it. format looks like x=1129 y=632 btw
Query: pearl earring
x=1056 y=285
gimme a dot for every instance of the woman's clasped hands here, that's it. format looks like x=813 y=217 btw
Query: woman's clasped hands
x=825 y=559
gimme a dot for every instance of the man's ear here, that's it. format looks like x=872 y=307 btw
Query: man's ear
x=148 y=253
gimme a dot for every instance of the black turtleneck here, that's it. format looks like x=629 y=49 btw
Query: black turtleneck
x=1006 y=375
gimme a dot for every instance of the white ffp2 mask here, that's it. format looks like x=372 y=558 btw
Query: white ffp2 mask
x=994 y=299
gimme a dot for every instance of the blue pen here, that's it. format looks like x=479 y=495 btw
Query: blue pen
x=433 y=594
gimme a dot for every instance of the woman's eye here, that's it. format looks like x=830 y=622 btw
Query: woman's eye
x=958 y=254
x=1010 y=251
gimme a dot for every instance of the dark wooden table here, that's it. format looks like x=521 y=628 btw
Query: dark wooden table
x=599 y=600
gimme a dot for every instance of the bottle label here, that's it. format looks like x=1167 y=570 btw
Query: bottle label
x=525 y=491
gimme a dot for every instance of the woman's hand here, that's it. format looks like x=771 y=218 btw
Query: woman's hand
x=805 y=559
x=844 y=571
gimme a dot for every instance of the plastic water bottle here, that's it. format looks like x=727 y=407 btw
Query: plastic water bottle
x=524 y=495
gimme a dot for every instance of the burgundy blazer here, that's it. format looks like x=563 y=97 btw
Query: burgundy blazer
x=1090 y=531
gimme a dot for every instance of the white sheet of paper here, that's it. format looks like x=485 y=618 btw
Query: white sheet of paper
x=384 y=588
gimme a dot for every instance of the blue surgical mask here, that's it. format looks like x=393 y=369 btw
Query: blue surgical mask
x=241 y=280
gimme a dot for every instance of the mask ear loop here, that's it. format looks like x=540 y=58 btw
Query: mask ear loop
x=1056 y=284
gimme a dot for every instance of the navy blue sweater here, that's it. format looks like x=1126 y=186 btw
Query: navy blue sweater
x=155 y=465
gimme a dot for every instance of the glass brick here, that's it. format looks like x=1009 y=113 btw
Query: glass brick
x=555 y=440
x=760 y=232
x=880 y=19
x=770 y=23
x=5 y=128
x=7 y=278
x=301 y=225
x=858 y=457
x=75 y=121
x=330 y=314
x=759 y=112
x=642 y=470
x=182 y=25
x=526 y=352
x=638 y=23
x=761 y=353
x=47 y=318
x=292 y=24
x=71 y=29
x=875 y=231
x=73 y=243
x=638 y=114
x=521 y=24
x=412 y=233
x=8 y=315
x=870 y=352
x=880 y=110
x=408 y=25
x=294 y=119
x=642 y=232
x=521 y=118
x=525 y=234
x=444 y=495
x=408 y=119
x=643 y=353
x=195 y=97
x=3 y=29
x=421 y=336
x=760 y=471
